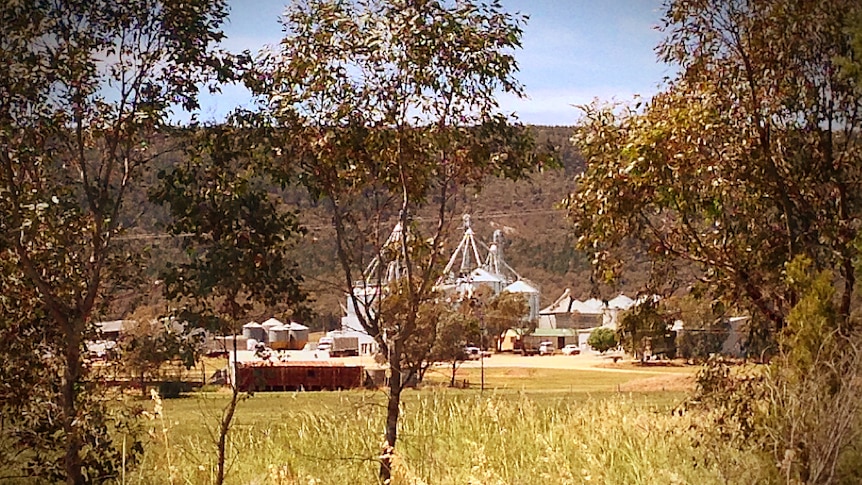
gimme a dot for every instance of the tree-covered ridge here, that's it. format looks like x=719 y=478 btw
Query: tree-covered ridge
x=538 y=243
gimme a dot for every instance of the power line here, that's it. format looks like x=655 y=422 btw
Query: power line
x=488 y=215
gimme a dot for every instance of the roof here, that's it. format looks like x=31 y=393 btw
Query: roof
x=296 y=326
x=112 y=326
x=553 y=332
x=621 y=302
x=252 y=325
x=482 y=275
x=272 y=322
x=560 y=305
x=295 y=363
x=589 y=307
x=520 y=286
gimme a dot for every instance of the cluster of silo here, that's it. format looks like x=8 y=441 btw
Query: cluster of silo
x=276 y=335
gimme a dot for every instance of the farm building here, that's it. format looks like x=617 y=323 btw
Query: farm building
x=734 y=344
x=582 y=317
x=291 y=371
x=298 y=375
x=568 y=312
x=114 y=329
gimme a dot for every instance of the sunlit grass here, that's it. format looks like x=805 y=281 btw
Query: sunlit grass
x=445 y=438
x=528 y=426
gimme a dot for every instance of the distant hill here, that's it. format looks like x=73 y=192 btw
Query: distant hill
x=539 y=244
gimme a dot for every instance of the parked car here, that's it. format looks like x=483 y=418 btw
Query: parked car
x=473 y=353
x=546 y=348
x=571 y=349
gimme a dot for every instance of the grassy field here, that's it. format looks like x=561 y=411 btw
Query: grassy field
x=529 y=426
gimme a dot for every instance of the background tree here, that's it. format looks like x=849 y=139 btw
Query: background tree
x=705 y=326
x=237 y=236
x=602 y=339
x=502 y=312
x=391 y=106
x=86 y=91
x=457 y=327
x=646 y=327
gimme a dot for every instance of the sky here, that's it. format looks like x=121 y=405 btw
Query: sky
x=574 y=51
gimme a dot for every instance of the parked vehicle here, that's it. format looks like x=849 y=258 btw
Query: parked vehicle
x=530 y=345
x=473 y=353
x=339 y=346
x=571 y=349
x=546 y=348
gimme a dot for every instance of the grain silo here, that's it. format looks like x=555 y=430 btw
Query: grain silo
x=254 y=330
x=268 y=324
x=298 y=336
x=279 y=337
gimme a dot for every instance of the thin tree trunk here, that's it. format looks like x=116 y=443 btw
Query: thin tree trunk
x=224 y=428
x=392 y=414
x=454 y=369
x=227 y=418
x=71 y=375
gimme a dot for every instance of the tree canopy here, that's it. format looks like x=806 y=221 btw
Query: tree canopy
x=390 y=106
x=748 y=158
x=84 y=100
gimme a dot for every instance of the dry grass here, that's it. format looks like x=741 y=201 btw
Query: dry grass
x=559 y=426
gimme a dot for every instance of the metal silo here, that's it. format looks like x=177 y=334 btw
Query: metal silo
x=254 y=330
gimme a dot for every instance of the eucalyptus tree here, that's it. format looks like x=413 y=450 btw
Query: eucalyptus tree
x=747 y=166
x=748 y=157
x=84 y=98
x=457 y=327
x=391 y=108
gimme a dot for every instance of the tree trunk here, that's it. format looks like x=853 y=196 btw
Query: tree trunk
x=227 y=418
x=454 y=370
x=71 y=375
x=224 y=428
x=392 y=414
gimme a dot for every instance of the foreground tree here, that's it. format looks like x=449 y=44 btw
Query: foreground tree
x=238 y=238
x=390 y=107
x=747 y=159
x=746 y=166
x=86 y=91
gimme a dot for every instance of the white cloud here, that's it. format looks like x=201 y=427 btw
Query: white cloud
x=559 y=106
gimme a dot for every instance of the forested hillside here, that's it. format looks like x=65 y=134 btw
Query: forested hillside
x=538 y=245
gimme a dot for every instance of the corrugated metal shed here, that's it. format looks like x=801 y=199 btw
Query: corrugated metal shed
x=298 y=375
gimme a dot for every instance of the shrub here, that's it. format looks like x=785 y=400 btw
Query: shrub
x=602 y=339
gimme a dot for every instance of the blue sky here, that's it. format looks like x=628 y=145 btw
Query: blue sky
x=573 y=51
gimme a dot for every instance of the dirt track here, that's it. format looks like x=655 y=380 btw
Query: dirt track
x=589 y=361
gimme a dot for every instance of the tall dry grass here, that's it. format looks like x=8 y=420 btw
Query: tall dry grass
x=459 y=439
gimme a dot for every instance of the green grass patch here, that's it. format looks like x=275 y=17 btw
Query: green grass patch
x=538 y=379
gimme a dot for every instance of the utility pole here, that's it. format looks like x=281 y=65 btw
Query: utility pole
x=482 y=350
